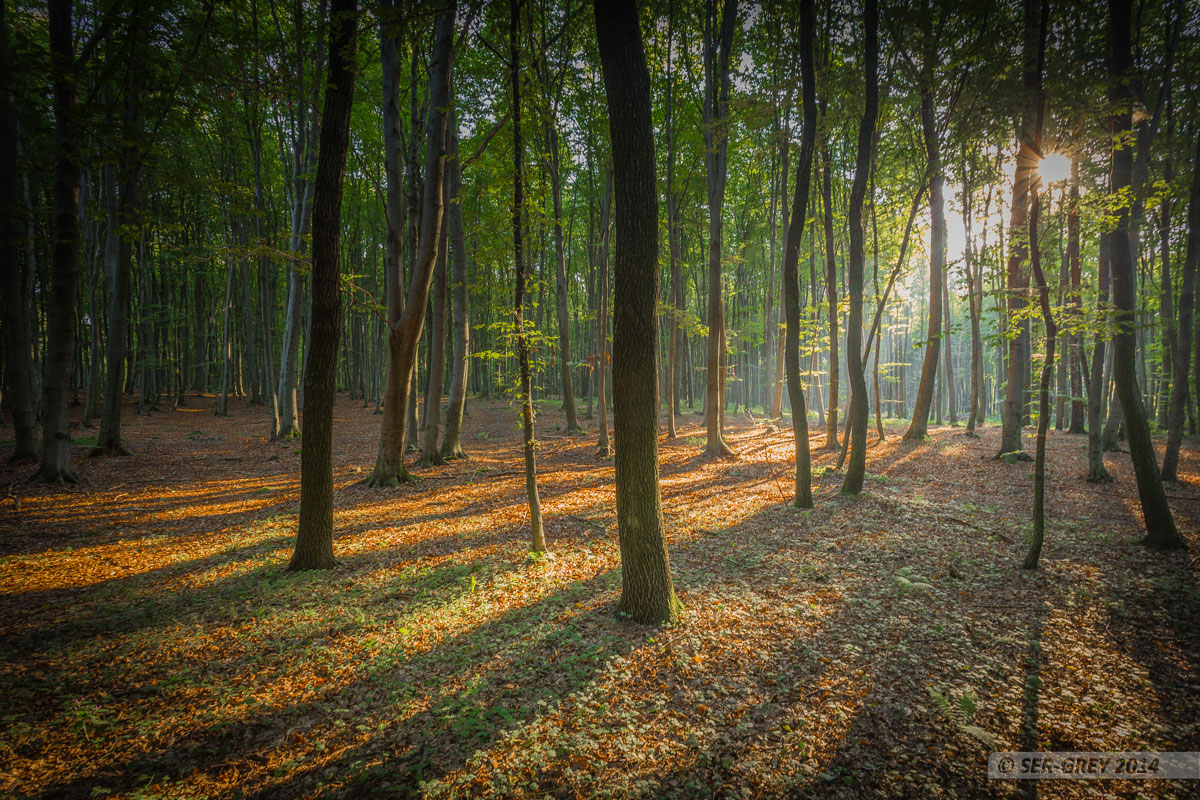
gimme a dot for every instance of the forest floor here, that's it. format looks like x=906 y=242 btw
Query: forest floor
x=152 y=646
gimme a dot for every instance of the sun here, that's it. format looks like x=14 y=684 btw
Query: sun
x=1054 y=168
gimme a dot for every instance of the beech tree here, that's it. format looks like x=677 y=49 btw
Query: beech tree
x=314 y=538
x=647 y=592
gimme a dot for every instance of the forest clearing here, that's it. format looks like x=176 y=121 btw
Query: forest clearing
x=156 y=647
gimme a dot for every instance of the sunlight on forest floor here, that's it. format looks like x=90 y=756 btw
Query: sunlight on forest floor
x=154 y=646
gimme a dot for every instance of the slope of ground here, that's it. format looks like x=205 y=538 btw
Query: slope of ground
x=872 y=647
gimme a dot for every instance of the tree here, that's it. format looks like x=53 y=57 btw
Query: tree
x=538 y=536
x=314 y=538
x=452 y=438
x=791 y=259
x=647 y=592
x=405 y=322
x=17 y=353
x=56 y=464
x=1183 y=351
x=718 y=50
x=1161 y=533
x=919 y=427
x=1012 y=414
x=857 y=422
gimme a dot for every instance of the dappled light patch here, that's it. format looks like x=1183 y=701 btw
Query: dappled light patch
x=156 y=647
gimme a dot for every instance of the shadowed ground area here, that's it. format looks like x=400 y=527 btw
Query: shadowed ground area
x=882 y=646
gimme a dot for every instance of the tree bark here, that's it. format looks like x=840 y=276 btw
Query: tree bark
x=791 y=260
x=18 y=362
x=431 y=419
x=1160 y=525
x=718 y=47
x=1013 y=410
x=857 y=417
x=314 y=537
x=56 y=464
x=831 y=417
x=404 y=333
x=452 y=439
x=1183 y=353
x=537 y=534
x=919 y=427
x=647 y=591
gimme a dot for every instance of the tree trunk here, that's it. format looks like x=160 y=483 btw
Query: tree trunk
x=1160 y=526
x=791 y=261
x=603 y=447
x=314 y=537
x=647 y=592
x=17 y=351
x=718 y=46
x=1014 y=408
x=919 y=427
x=560 y=264
x=537 y=535
x=857 y=418
x=1039 y=460
x=56 y=464
x=1183 y=353
x=831 y=423
x=452 y=439
x=431 y=420
x=405 y=328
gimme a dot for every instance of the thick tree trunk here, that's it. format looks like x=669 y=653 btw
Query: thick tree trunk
x=314 y=537
x=56 y=464
x=18 y=362
x=856 y=422
x=1160 y=525
x=647 y=592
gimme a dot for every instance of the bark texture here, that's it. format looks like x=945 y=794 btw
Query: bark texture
x=647 y=592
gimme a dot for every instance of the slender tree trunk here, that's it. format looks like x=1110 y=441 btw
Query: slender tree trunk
x=431 y=421
x=718 y=47
x=1183 y=353
x=452 y=439
x=405 y=328
x=560 y=264
x=603 y=447
x=647 y=592
x=857 y=417
x=919 y=427
x=791 y=260
x=1039 y=460
x=831 y=417
x=1160 y=526
x=537 y=535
